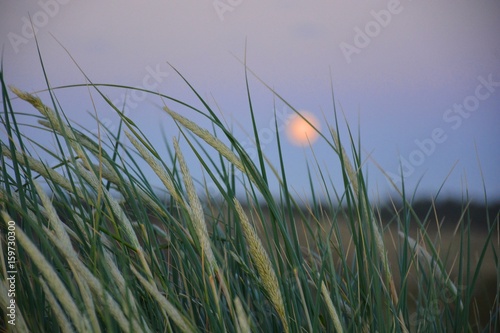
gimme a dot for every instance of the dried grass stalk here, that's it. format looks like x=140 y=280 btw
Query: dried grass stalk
x=196 y=212
x=263 y=264
x=331 y=308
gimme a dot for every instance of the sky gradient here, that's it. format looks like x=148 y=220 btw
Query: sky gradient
x=420 y=79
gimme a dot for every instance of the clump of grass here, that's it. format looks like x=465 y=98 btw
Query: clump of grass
x=102 y=251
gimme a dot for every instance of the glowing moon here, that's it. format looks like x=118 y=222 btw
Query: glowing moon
x=301 y=133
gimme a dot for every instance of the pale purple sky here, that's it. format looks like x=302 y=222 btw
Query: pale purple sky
x=399 y=68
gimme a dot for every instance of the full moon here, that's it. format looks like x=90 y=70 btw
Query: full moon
x=301 y=133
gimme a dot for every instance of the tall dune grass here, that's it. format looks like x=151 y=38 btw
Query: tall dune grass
x=89 y=260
